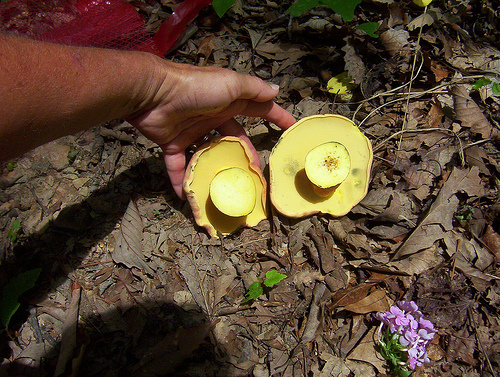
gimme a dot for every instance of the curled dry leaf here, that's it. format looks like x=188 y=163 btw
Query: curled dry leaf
x=470 y=115
x=492 y=240
x=350 y=295
x=376 y=301
x=394 y=40
x=353 y=63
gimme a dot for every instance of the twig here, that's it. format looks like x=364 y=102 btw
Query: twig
x=434 y=90
x=405 y=118
x=440 y=129
x=200 y=281
x=389 y=92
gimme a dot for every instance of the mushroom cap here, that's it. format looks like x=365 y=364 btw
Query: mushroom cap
x=219 y=154
x=291 y=191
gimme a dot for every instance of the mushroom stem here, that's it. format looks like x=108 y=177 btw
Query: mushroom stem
x=233 y=192
x=326 y=167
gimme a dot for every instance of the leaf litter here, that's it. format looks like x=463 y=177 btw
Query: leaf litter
x=157 y=296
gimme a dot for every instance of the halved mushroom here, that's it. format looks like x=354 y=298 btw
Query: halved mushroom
x=224 y=187
x=320 y=165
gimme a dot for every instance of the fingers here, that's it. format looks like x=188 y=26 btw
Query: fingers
x=255 y=89
x=176 y=163
x=270 y=111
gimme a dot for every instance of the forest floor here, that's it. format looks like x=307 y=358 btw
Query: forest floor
x=427 y=231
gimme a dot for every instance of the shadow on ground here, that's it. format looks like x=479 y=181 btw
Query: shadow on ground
x=145 y=338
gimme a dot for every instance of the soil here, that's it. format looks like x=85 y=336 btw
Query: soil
x=131 y=286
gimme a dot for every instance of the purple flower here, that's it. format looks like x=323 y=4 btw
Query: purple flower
x=398 y=317
x=413 y=333
x=408 y=306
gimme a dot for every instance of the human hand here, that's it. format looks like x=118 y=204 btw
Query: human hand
x=191 y=101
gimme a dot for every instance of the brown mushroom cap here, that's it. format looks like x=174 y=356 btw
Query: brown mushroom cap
x=219 y=154
x=291 y=191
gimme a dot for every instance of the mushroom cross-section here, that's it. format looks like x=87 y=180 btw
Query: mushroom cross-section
x=224 y=187
x=320 y=165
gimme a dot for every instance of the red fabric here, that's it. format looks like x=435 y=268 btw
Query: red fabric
x=100 y=23
x=104 y=23
x=171 y=29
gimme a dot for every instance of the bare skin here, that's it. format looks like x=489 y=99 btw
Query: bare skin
x=49 y=91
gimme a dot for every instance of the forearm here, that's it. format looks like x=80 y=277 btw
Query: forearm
x=49 y=90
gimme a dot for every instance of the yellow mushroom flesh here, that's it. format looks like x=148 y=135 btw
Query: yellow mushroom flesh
x=291 y=190
x=221 y=154
x=232 y=192
x=327 y=166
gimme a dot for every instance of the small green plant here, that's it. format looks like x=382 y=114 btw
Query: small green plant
x=484 y=81
x=222 y=6
x=369 y=28
x=464 y=215
x=15 y=228
x=9 y=301
x=11 y=165
x=256 y=289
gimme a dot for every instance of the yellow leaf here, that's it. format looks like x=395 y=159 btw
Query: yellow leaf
x=340 y=84
x=422 y=3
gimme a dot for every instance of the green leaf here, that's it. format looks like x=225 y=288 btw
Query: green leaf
x=369 y=28
x=11 y=166
x=273 y=277
x=222 y=6
x=14 y=230
x=9 y=303
x=495 y=88
x=345 y=8
x=254 y=291
x=483 y=81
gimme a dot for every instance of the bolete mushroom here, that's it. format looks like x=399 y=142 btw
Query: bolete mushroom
x=224 y=187
x=320 y=165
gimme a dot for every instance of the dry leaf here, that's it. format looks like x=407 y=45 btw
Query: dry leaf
x=376 y=301
x=333 y=366
x=470 y=115
x=280 y=51
x=471 y=56
x=353 y=63
x=128 y=247
x=208 y=275
x=470 y=258
x=314 y=318
x=438 y=219
x=419 y=262
x=68 y=341
x=350 y=295
x=425 y=19
x=366 y=351
x=492 y=240
x=394 y=40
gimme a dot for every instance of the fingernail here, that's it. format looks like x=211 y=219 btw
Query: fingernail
x=273 y=86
